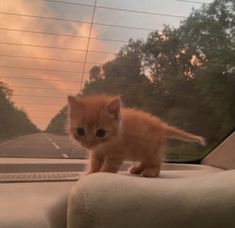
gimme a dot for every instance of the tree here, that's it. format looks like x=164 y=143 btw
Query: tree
x=13 y=121
x=210 y=33
x=123 y=75
x=192 y=79
x=58 y=123
x=95 y=73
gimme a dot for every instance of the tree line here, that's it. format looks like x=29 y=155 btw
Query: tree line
x=13 y=121
x=184 y=75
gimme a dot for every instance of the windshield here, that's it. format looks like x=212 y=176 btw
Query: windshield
x=160 y=56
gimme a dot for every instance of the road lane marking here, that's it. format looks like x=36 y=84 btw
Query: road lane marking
x=52 y=142
x=7 y=142
x=65 y=155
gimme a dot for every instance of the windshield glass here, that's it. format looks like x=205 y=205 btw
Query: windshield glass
x=160 y=56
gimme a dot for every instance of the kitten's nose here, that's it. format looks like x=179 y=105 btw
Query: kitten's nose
x=89 y=143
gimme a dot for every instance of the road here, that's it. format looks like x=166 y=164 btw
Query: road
x=41 y=145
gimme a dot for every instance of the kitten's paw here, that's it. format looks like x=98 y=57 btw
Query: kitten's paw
x=150 y=172
x=135 y=169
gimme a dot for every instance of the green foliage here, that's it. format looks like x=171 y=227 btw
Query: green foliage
x=95 y=73
x=13 y=121
x=210 y=33
x=185 y=75
x=123 y=76
x=58 y=124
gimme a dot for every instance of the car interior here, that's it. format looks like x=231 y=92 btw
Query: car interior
x=38 y=193
x=173 y=59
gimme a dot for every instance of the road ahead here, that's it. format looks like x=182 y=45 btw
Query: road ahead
x=41 y=145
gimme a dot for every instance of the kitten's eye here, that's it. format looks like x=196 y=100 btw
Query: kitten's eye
x=100 y=133
x=80 y=131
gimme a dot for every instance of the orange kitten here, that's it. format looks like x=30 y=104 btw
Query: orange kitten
x=115 y=134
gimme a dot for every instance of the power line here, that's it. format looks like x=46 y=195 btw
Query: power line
x=121 y=93
x=40 y=79
x=87 y=47
x=123 y=83
x=62 y=60
x=39 y=69
x=189 y=1
x=56 y=47
x=40 y=96
x=39 y=104
x=61 y=34
x=39 y=110
x=78 y=21
x=49 y=59
x=117 y=9
x=30 y=87
x=45 y=96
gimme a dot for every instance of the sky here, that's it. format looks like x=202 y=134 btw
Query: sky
x=43 y=67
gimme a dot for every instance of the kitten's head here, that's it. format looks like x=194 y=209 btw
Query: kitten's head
x=94 y=120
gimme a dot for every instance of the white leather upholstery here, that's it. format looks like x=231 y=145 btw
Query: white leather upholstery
x=202 y=200
x=34 y=205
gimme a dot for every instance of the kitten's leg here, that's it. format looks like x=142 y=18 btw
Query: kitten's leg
x=153 y=169
x=137 y=169
x=151 y=172
x=96 y=162
x=153 y=160
x=111 y=165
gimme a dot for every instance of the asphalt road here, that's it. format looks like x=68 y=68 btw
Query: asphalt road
x=41 y=145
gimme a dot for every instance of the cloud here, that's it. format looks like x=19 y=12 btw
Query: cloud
x=28 y=98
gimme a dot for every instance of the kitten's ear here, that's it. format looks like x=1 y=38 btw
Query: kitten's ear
x=114 y=106
x=72 y=101
x=74 y=106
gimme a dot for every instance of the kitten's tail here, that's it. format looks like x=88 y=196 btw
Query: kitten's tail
x=172 y=132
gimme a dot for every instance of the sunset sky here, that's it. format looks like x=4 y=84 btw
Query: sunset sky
x=42 y=72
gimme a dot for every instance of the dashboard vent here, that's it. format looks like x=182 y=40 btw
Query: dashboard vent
x=38 y=177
